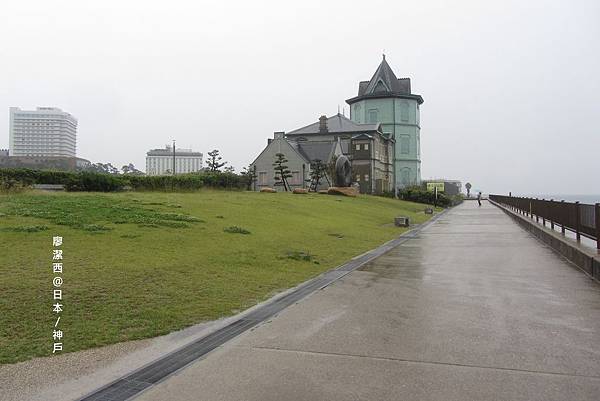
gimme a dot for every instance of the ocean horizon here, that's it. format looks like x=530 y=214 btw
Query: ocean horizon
x=590 y=199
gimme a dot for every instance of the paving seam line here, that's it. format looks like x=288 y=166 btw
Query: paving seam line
x=416 y=361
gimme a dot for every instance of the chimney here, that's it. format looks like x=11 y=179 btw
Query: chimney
x=323 y=125
x=278 y=134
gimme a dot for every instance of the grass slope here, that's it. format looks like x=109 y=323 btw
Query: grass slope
x=139 y=265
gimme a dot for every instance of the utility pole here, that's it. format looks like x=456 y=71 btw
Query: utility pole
x=173 y=156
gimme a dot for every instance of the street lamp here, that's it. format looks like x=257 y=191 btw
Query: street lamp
x=173 y=156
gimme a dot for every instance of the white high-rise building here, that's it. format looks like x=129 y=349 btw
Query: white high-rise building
x=160 y=161
x=46 y=131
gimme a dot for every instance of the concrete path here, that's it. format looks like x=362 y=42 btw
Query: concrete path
x=474 y=308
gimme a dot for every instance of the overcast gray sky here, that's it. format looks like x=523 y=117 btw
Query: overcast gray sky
x=511 y=88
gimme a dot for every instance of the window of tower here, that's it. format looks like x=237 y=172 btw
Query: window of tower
x=404 y=111
x=404 y=144
x=373 y=116
x=405 y=176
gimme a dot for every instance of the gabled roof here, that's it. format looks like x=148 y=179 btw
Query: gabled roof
x=278 y=141
x=316 y=150
x=335 y=124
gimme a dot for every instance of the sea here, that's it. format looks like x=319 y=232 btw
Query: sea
x=589 y=199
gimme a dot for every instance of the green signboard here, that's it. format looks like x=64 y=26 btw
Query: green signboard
x=431 y=186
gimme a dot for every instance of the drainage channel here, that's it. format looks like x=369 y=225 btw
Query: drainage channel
x=147 y=376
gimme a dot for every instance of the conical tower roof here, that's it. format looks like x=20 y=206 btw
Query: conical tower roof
x=384 y=80
x=384 y=83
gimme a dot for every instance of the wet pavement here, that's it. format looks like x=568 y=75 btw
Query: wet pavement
x=473 y=308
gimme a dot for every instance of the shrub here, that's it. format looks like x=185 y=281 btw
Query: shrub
x=236 y=230
x=25 y=229
x=301 y=256
x=421 y=195
x=11 y=185
x=97 y=182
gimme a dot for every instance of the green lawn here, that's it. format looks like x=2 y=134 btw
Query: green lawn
x=139 y=265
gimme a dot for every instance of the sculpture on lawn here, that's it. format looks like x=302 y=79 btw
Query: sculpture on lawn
x=343 y=172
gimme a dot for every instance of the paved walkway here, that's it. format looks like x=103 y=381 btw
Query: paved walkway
x=474 y=308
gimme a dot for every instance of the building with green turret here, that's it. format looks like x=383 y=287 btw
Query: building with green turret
x=388 y=100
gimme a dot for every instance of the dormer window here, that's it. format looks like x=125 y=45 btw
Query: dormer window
x=380 y=87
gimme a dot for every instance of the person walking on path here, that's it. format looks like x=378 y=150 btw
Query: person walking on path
x=479 y=198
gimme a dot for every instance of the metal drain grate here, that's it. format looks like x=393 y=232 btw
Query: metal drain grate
x=139 y=380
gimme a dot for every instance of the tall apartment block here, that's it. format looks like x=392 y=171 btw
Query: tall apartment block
x=46 y=131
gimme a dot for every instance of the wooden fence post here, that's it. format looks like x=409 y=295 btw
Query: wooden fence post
x=530 y=210
x=577 y=221
x=552 y=218
x=562 y=226
x=544 y=212
x=597 y=212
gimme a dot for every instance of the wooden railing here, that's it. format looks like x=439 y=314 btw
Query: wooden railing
x=580 y=218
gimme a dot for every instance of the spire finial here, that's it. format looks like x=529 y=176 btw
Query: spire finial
x=383 y=54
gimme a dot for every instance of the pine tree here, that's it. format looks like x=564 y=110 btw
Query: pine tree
x=318 y=170
x=282 y=172
x=249 y=176
x=214 y=161
x=130 y=169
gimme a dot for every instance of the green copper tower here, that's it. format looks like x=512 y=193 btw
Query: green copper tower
x=388 y=100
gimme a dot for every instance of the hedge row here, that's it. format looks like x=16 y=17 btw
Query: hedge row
x=422 y=195
x=92 y=181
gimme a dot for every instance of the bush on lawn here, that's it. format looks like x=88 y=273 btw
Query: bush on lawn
x=97 y=182
x=421 y=195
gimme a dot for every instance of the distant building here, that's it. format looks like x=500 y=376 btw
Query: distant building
x=44 y=132
x=369 y=150
x=160 y=161
x=389 y=100
x=3 y=152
